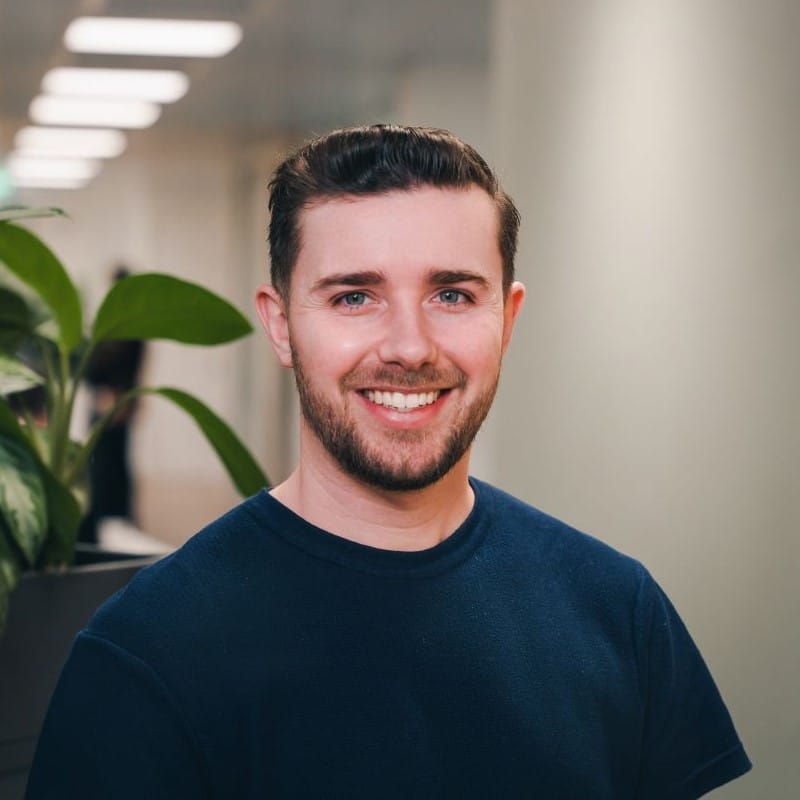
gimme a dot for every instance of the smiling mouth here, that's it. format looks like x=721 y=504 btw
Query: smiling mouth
x=402 y=401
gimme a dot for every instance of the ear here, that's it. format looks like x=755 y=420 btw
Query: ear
x=514 y=301
x=272 y=312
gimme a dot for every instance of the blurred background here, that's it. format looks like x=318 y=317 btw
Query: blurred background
x=651 y=394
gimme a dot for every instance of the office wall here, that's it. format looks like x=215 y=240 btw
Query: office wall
x=652 y=393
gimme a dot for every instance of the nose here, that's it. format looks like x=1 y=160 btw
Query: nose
x=407 y=338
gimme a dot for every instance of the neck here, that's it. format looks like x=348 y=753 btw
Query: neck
x=322 y=494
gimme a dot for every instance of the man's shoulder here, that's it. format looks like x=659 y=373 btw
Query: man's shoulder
x=188 y=587
x=553 y=544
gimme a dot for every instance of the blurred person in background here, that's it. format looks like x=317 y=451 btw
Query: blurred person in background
x=114 y=369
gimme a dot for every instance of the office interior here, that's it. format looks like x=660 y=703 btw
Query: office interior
x=650 y=395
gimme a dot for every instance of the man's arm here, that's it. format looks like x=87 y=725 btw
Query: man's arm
x=690 y=745
x=113 y=730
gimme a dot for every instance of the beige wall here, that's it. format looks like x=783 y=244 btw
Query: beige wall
x=651 y=396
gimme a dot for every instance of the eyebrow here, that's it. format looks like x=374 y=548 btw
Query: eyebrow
x=447 y=276
x=375 y=278
x=365 y=278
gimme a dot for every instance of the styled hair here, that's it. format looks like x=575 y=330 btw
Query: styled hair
x=375 y=159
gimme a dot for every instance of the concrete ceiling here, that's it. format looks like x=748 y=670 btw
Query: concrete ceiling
x=302 y=64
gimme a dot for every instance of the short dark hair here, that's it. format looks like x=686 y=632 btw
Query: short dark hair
x=374 y=159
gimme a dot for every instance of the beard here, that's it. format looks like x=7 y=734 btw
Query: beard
x=403 y=460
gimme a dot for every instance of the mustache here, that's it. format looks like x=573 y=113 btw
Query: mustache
x=404 y=378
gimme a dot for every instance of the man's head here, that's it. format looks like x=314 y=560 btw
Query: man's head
x=392 y=300
x=371 y=160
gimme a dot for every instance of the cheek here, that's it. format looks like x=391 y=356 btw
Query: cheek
x=482 y=365
x=327 y=348
x=348 y=345
x=475 y=347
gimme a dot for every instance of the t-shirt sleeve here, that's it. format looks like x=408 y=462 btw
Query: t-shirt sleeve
x=113 y=730
x=690 y=745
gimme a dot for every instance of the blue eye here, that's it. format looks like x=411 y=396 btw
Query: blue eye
x=353 y=299
x=452 y=297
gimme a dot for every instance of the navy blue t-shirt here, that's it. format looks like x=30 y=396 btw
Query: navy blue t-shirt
x=268 y=658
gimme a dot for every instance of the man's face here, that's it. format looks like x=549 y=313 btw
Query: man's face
x=395 y=326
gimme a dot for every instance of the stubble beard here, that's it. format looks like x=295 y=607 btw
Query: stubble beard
x=372 y=462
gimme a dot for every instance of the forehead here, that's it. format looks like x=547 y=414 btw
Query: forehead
x=426 y=227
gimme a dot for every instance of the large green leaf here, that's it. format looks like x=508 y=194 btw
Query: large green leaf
x=22 y=498
x=156 y=306
x=23 y=314
x=15 y=319
x=34 y=264
x=24 y=212
x=243 y=469
x=15 y=376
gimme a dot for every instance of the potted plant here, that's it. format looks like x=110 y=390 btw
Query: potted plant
x=42 y=469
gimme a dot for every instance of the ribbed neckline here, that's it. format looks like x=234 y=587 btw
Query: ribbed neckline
x=320 y=543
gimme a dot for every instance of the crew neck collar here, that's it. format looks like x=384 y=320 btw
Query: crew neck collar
x=320 y=543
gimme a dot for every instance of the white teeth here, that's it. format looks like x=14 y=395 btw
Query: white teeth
x=398 y=401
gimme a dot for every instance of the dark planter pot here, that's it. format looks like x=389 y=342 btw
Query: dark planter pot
x=46 y=612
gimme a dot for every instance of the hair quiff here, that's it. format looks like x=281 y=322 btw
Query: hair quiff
x=375 y=159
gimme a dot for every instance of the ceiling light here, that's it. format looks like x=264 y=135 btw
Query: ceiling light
x=156 y=85
x=53 y=110
x=75 y=142
x=47 y=183
x=151 y=37
x=22 y=168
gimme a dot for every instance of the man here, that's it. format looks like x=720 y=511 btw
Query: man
x=381 y=625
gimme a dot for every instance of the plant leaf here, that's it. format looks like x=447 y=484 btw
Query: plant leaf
x=15 y=376
x=22 y=498
x=64 y=513
x=22 y=313
x=15 y=319
x=8 y=213
x=243 y=469
x=34 y=264
x=156 y=306
x=10 y=566
x=9 y=427
x=10 y=569
x=64 y=516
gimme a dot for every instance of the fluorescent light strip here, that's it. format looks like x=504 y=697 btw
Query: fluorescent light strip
x=47 y=183
x=53 y=110
x=152 y=37
x=75 y=142
x=156 y=85
x=65 y=169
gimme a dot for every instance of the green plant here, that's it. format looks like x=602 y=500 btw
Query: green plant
x=41 y=313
